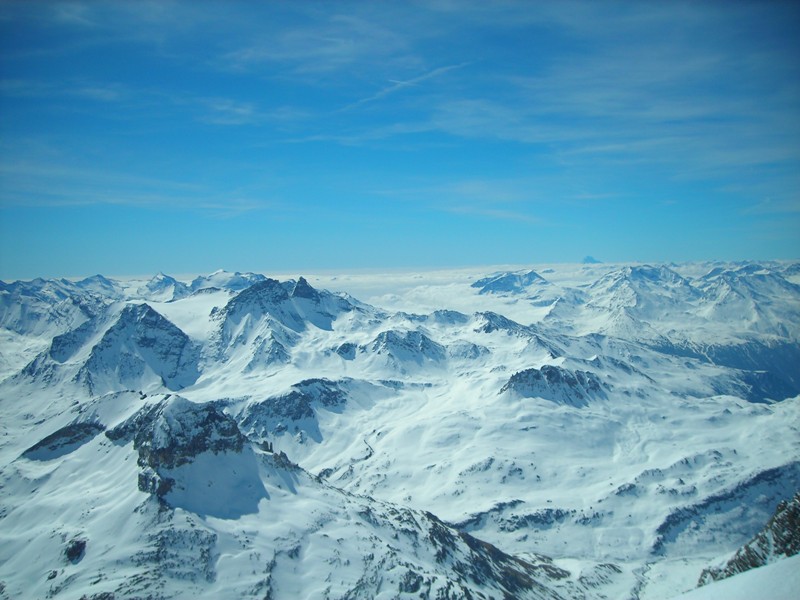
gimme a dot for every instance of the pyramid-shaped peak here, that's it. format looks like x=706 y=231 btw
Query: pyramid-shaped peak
x=137 y=312
x=144 y=319
x=302 y=289
x=161 y=279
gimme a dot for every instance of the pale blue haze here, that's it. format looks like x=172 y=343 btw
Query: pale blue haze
x=138 y=137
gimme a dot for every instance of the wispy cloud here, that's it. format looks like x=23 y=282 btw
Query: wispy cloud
x=324 y=43
x=769 y=206
x=398 y=86
x=494 y=213
x=73 y=13
x=26 y=183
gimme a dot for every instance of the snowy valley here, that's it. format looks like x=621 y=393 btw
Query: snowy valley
x=562 y=431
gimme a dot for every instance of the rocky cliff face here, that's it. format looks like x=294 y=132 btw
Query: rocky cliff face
x=194 y=457
x=779 y=538
x=557 y=384
x=171 y=432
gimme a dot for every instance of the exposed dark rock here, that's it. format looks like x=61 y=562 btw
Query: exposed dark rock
x=75 y=550
x=476 y=520
x=491 y=322
x=411 y=582
x=557 y=384
x=779 y=538
x=485 y=563
x=302 y=289
x=347 y=351
x=63 y=441
x=541 y=519
x=297 y=408
x=171 y=432
x=745 y=501
x=262 y=294
x=99 y=596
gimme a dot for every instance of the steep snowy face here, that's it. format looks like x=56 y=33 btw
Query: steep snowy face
x=293 y=413
x=216 y=516
x=45 y=308
x=260 y=325
x=407 y=347
x=101 y=286
x=33 y=313
x=142 y=350
x=163 y=288
x=646 y=290
x=265 y=298
x=754 y=297
x=176 y=440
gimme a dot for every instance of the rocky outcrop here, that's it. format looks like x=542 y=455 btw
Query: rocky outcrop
x=559 y=385
x=63 y=441
x=779 y=538
x=171 y=432
x=738 y=512
x=294 y=411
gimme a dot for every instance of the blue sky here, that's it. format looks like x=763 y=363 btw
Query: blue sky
x=185 y=137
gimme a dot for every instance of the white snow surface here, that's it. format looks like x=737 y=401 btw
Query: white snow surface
x=776 y=581
x=659 y=437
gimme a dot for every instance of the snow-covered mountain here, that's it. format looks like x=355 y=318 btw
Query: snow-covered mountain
x=568 y=431
x=509 y=282
x=163 y=288
x=234 y=282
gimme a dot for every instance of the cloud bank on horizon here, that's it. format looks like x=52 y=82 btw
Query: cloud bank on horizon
x=176 y=136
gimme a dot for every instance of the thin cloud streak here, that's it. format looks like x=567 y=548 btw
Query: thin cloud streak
x=47 y=185
x=398 y=86
x=494 y=213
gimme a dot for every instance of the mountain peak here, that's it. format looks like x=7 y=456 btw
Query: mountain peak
x=509 y=282
x=302 y=289
x=267 y=291
x=225 y=280
x=141 y=349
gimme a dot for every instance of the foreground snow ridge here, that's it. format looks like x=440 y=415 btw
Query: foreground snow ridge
x=549 y=431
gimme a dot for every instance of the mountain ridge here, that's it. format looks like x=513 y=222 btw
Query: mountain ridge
x=536 y=415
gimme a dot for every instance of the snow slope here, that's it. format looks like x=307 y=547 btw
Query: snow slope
x=573 y=431
x=776 y=581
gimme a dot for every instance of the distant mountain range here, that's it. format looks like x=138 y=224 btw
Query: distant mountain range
x=583 y=431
